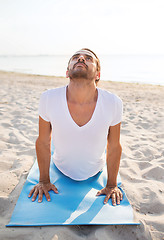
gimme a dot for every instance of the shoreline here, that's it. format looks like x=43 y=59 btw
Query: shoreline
x=141 y=167
x=62 y=77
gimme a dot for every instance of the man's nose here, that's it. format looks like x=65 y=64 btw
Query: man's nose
x=81 y=58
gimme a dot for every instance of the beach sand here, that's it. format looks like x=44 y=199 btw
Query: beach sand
x=141 y=168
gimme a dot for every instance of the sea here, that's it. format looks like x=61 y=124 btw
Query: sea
x=148 y=69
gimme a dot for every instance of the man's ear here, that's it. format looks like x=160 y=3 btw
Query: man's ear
x=98 y=75
x=67 y=74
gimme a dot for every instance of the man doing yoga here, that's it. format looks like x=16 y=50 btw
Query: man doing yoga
x=84 y=124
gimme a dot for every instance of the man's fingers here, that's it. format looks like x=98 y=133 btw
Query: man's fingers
x=100 y=192
x=114 y=199
x=114 y=193
x=54 y=189
x=31 y=192
x=118 y=198
x=47 y=195
x=106 y=198
x=35 y=194
x=40 y=195
x=121 y=195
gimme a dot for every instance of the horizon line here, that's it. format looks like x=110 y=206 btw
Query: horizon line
x=53 y=55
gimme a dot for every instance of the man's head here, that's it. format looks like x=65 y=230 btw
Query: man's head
x=84 y=64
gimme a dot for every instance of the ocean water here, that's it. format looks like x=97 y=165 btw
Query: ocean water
x=147 y=69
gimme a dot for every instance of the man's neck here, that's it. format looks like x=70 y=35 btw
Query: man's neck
x=81 y=93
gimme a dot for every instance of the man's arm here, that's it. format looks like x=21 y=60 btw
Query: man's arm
x=43 y=151
x=113 y=157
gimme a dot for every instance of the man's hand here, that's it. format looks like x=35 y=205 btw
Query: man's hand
x=42 y=188
x=111 y=192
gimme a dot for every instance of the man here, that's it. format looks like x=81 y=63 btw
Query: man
x=84 y=121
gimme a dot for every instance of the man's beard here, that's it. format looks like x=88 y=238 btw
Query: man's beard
x=78 y=73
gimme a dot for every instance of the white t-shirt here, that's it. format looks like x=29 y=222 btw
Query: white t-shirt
x=79 y=151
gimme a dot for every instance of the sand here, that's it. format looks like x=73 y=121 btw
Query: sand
x=141 y=168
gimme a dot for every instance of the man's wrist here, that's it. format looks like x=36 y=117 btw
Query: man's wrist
x=111 y=186
x=111 y=183
x=44 y=180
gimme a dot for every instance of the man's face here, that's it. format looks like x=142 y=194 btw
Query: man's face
x=83 y=64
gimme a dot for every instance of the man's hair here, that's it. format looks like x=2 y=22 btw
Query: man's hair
x=98 y=61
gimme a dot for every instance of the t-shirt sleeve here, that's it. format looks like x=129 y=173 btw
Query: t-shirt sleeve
x=43 y=106
x=118 y=111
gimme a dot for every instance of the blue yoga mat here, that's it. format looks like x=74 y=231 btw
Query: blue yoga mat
x=76 y=203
